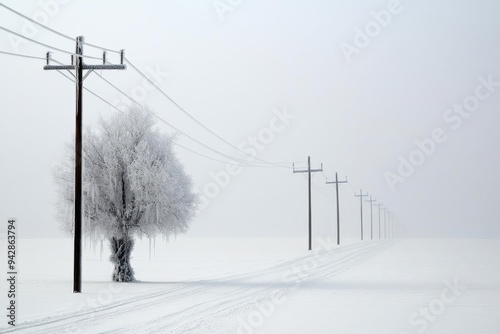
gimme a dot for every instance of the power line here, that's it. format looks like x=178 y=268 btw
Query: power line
x=194 y=118
x=159 y=118
x=316 y=187
x=47 y=45
x=321 y=190
x=52 y=30
x=143 y=75
x=350 y=185
x=21 y=55
x=174 y=142
x=210 y=158
x=90 y=91
x=65 y=75
x=35 y=22
x=242 y=161
x=135 y=68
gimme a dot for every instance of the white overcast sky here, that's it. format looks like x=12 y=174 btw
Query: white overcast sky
x=357 y=117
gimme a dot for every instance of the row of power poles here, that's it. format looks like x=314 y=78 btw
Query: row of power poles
x=389 y=230
x=78 y=65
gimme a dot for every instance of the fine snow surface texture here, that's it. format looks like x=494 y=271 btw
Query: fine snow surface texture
x=247 y=286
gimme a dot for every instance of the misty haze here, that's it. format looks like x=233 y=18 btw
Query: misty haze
x=231 y=166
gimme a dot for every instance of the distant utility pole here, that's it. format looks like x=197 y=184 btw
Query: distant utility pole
x=380 y=205
x=389 y=220
x=309 y=171
x=371 y=215
x=385 y=232
x=337 y=182
x=78 y=65
x=391 y=224
x=388 y=227
x=361 y=201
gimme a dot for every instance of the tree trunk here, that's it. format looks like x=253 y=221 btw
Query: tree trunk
x=121 y=248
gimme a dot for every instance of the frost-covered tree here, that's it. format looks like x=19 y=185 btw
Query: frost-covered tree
x=133 y=186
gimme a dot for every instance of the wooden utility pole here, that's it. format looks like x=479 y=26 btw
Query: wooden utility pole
x=385 y=231
x=389 y=213
x=337 y=182
x=390 y=227
x=309 y=171
x=380 y=205
x=371 y=215
x=361 y=195
x=78 y=65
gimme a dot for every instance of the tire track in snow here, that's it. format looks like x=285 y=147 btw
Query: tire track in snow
x=208 y=314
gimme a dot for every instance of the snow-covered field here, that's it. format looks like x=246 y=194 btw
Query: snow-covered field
x=246 y=286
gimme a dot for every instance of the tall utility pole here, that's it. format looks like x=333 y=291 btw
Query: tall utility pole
x=338 y=209
x=391 y=224
x=385 y=232
x=389 y=219
x=78 y=65
x=388 y=227
x=371 y=215
x=380 y=205
x=361 y=201
x=309 y=171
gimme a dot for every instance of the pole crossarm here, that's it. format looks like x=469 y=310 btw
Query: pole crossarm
x=336 y=182
x=86 y=67
x=300 y=171
x=307 y=170
x=370 y=200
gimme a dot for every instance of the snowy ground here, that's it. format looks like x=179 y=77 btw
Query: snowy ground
x=265 y=286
